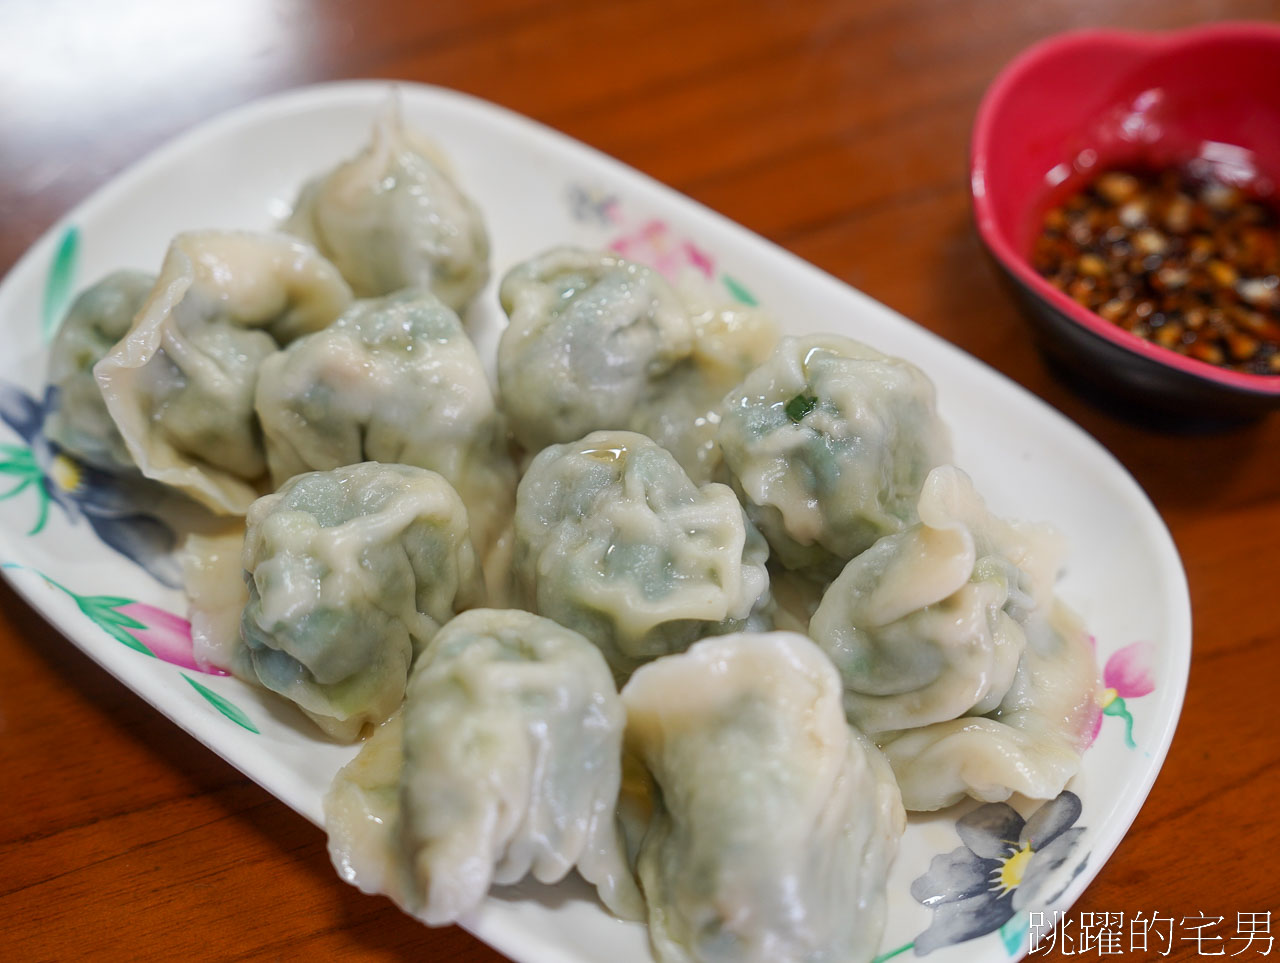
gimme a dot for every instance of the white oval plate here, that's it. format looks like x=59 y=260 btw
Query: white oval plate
x=537 y=188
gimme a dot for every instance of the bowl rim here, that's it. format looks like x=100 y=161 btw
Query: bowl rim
x=1145 y=42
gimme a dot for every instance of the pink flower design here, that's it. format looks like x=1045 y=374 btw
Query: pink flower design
x=1127 y=675
x=165 y=635
x=700 y=259
x=155 y=633
x=1128 y=671
x=142 y=627
x=655 y=244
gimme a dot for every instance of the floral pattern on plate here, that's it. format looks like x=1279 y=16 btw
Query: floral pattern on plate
x=992 y=882
x=153 y=632
x=111 y=504
x=1127 y=675
x=114 y=506
x=650 y=241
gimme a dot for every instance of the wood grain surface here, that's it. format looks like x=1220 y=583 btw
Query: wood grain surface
x=837 y=129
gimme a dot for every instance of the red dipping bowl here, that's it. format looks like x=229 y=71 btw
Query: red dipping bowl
x=1083 y=102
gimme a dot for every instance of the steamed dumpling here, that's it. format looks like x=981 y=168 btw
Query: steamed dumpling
x=350 y=573
x=393 y=380
x=214 y=583
x=599 y=342
x=829 y=443
x=99 y=317
x=1030 y=744
x=614 y=541
x=362 y=815
x=927 y=624
x=180 y=385
x=955 y=655
x=505 y=762
x=393 y=217
x=773 y=821
x=513 y=747
x=683 y=412
x=590 y=335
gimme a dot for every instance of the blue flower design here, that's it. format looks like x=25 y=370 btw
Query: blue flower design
x=112 y=505
x=592 y=205
x=1003 y=865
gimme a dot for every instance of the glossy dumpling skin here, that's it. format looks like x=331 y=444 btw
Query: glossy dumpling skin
x=774 y=821
x=393 y=217
x=589 y=336
x=614 y=540
x=99 y=317
x=362 y=815
x=682 y=413
x=927 y=624
x=599 y=342
x=350 y=572
x=180 y=385
x=505 y=762
x=395 y=380
x=214 y=583
x=513 y=746
x=1031 y=743
x=829 y=443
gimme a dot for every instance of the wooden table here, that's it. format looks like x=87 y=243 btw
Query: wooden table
x=838 y=130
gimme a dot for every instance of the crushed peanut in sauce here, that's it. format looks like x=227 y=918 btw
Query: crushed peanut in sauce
x=1187 y=262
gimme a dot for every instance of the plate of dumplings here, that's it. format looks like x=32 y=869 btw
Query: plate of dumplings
x=593 y=571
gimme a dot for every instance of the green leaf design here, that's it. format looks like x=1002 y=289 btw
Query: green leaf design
x=59 y=282
x=1117 y=707
x=223 y=705
x=739 y=293
x=107 y=605
x=102 y=610
x=43 y=516
x=15 y=489
x=20 y=463
x=799 y=406
x=124 y=638
x=892 y=953
x=120 y=619
x=1014 y=932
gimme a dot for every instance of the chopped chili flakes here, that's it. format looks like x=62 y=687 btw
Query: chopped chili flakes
x=1189 y=263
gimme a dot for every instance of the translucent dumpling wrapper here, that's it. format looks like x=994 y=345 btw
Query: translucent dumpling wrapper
x=589 y=335
x=797 y=597
x=394 y=217
x=683 y=412
x=394 y=380
x=99 y=317
x=362 y=815
x=214 y=583
x=1031 y=743
x=180 y=385
x=615 y=541
x=350 y=573
x=774 y=822
x=505 y=762
x=599 y=342
x=927 y=624
x=829 y=443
